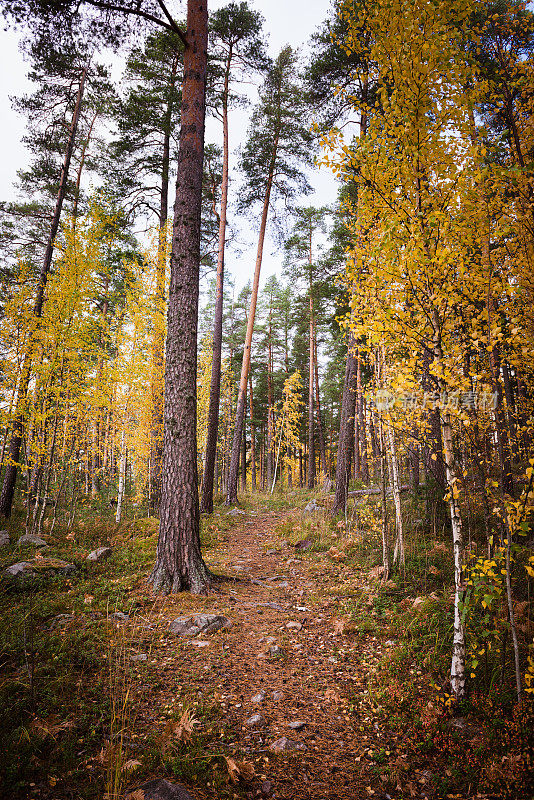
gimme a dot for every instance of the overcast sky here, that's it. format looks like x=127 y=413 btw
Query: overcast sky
x=286 y=22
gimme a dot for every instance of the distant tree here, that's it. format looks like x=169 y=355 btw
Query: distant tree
x=237 y=50
x=279 y=143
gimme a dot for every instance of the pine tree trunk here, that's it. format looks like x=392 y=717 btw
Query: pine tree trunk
x=179 y=565
x=17 y=432
x=244 y=454
x=206 y=506
x=252 y=437
x=311 y=378
x=231 y=493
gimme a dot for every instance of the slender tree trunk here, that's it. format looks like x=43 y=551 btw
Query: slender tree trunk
x=346 y=434
x=17 y=433
x=206 y=506
x=458 y=646
x=383 y=502
x=311 y=378
x=179 y=563
x=252 y=437
x=399 y=543
x=244 y=454
x=361 y=425
x=158 y=339
x=269 y=450
x=322 y=445
x=231 y=494
x=122 y=477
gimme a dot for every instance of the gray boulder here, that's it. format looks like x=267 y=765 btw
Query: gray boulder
x=4 y=538
x=21 y=568
x=29 y=538
x=158 y=789
x=199 y=623
x=99 y=555
x=49 y=567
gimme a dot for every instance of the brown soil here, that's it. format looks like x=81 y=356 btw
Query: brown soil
x=319 y=671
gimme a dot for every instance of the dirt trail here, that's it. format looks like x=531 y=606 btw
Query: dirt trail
x=284 y=643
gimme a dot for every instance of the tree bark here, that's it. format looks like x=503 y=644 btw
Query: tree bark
x=17 y=433
x=158 y=341
x=322 y=445
x=252 y=436
x=179 y=564
x=206 y=506
x=231 y=493
x=346 y=434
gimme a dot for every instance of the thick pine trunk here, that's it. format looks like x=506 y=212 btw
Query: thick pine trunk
x=17 y=433
x=179 y=565
x=206 y=506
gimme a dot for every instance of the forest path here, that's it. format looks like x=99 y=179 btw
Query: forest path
x=287 y=659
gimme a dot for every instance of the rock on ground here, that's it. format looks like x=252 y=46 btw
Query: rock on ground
x=255 y=721
x=29 y=538
x=284 y=745
x=199 y=623
x=41 y=566
x=158 y=789
x=4 y=538
x=100 y=554
x=312 y=507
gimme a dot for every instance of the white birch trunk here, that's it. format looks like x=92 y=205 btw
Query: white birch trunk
x=458 y=645
x=399 y=543
x=122 y=477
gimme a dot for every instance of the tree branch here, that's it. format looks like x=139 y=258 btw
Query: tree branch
x=172 y=26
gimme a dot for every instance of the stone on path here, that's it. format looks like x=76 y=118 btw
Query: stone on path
x=278 y=695
x=158 y=789
x=4 y=538
x=29 y=538
x=99 y=555
x=199 y=623
x=255 y=721
x=283 y=745
x=235 y=512
x=258 y=698
x=297 y=725
x=294 y=626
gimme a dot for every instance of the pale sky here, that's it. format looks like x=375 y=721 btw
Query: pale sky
x=286 y=22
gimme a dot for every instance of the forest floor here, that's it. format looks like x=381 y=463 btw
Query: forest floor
x=324 y=662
